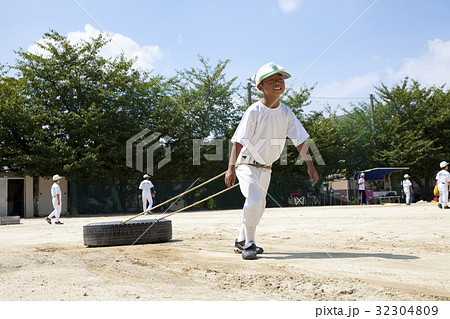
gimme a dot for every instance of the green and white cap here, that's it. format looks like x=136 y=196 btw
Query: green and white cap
x=443 y=164
x=56 y=177
x=270 y=69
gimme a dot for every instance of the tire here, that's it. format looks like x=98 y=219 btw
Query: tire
x=133 y=232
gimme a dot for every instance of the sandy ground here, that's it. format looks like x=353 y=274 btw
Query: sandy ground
x=391 y=252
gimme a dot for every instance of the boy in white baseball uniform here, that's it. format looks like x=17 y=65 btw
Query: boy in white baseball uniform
x=442 y=183
x=407 y=189
x=257 y=143
x=362 y=189
x=147 y=193
x=56 y=201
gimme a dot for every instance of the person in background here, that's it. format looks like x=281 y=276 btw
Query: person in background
x=407 y=189
x=56 y=201
x=362 y=189
x=443 y=182
x=146 y=193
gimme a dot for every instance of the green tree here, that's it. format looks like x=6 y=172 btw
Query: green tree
x=412 y=129
x=200 y=107
x=17 y=125
x=211 y=97
x=356 y=139
x=86 y=107
x=77 y=110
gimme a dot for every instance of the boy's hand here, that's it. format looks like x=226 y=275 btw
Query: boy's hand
x=230 y=176
x=313 y=174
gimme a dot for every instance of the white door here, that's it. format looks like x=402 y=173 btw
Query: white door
x=3 y=196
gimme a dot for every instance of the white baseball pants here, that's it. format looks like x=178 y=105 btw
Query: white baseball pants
x=407 y=195
x=147 y=199
x=253 y=182
x=443 y=194
x=57 y=209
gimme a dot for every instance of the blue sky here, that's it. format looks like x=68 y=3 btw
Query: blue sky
x=393 y=39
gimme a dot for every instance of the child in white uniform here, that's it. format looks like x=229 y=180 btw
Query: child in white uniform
x=407 y=189
x=257 y=143
x=56 y=201
x=442 y=183
x=147 y=193
x=362 y=189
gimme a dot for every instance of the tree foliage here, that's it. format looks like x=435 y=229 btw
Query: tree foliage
x=71 y=111
x=413 y=130
x=200 y=107
x=83 y=107
x=410 y=130
x=17 y=125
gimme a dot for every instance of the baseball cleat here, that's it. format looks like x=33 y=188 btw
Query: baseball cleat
x=59 y=223
x=48 y=220
x=440 y=205
x=239 y=247
x=249 y=253
x=446 y=207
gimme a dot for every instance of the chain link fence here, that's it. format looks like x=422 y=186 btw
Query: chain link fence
x=97 y=197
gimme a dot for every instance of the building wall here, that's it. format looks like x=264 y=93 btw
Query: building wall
x=341 y=184
x=43 y=198
x=29 y=209
x=27 y=195
x=341 y=191
x=3 y=196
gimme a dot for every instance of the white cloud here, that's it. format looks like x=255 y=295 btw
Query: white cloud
x=432 y=68
x=289 y=5
x=146 y=54
x=349 y=88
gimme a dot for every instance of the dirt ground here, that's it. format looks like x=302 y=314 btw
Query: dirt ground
x=391 y=252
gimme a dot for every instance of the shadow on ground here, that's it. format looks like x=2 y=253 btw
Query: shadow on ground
x=324 y=255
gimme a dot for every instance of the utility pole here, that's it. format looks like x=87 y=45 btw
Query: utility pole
x=371 y=112
x=249 y=93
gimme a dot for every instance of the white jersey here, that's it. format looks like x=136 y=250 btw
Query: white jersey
x=361 y=184
x=406 y=184
x=146 y=186
x=263 y=131
x=55 y=190
x=443 y=177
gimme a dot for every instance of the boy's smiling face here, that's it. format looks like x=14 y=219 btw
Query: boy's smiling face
x=273 y=85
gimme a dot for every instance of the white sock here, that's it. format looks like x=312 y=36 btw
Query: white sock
x=241 y=236
x=250 y=234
